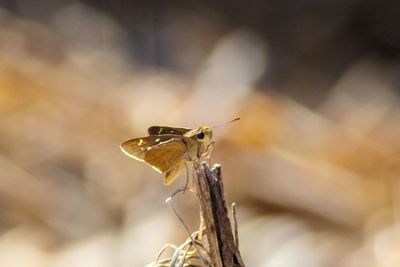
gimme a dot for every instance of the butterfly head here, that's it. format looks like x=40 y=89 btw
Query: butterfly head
x=203 y=134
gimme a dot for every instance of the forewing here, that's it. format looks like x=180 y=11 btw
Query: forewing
x=161 y=130
x=161 y=152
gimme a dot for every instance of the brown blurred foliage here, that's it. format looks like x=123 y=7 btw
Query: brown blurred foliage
x=314 y=186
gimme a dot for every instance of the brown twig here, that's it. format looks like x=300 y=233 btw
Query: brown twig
x=222 y=244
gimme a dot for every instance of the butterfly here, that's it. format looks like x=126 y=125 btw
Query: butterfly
x=166 y=149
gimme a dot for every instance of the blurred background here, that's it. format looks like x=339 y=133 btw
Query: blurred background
x=313 y=164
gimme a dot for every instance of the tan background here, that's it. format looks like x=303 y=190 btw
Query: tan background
x=313 y=164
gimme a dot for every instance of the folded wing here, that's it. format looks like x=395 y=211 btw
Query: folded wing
x=161 y=152
x=161 y=130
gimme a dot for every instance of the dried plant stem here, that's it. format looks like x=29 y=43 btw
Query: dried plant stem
x=169 y=203
x=235 y=225
x=222 y=243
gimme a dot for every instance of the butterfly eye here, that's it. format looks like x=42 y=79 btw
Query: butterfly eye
x=200 y=135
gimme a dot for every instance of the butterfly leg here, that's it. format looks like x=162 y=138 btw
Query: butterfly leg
x=187 y=178
x=185 y=187
x=194 y=176
x=207 y=153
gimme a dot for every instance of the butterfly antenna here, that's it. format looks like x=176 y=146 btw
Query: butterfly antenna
x=216 y=126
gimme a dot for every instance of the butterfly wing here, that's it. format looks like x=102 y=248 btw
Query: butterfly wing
x=172 y=173
x=161 y=152
x=161 y=130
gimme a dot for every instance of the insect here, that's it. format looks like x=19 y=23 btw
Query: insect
x=167 y=148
